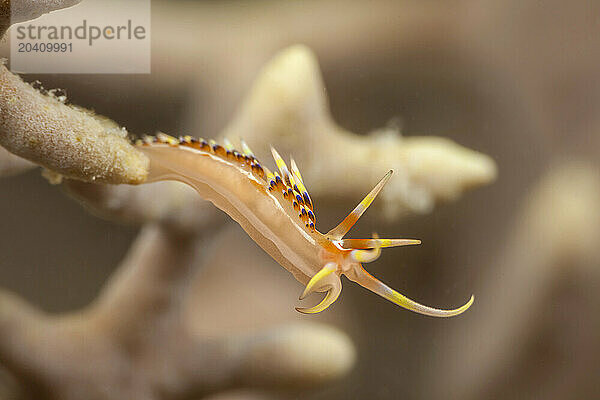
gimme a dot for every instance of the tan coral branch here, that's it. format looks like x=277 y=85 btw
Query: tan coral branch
x=136 y=342
x=556 y=234
x=172 y=203
x=67 y=140
x=288 y=106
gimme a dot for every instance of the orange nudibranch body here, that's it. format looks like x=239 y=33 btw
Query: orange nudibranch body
x=276 y=211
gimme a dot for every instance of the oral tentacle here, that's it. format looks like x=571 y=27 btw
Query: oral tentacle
x=333 y=287
x=366 y=280
x=329 y=299
x=339 y=231
x=319 y=279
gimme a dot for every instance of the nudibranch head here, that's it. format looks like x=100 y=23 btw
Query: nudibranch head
x=336 y=256
x=354 y=252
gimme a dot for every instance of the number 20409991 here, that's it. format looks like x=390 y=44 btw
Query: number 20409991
x=45 y=47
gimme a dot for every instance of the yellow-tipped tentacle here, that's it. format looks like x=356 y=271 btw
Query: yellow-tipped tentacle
x=280 y=163
x=301 y=188
x=318 y=279
x=373 y=243
x=246 y=149
x=295 y=170
x=227 y=144
x=366 y=280
x=339 y=231
x=168 y=139
x=324 y=280
x=330 y=298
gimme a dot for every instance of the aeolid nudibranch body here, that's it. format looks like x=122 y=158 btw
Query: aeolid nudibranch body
x=276 y=210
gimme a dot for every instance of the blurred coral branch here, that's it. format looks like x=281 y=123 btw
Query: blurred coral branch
x=545 y=272
x=134 y=342
x=287 y=106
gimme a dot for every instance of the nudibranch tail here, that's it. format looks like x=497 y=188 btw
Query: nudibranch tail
x=366 y=280
x=339 y=231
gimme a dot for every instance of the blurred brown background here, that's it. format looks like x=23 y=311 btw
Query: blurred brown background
x=517 y=80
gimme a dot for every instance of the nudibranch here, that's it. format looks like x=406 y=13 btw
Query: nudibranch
x=276 y=210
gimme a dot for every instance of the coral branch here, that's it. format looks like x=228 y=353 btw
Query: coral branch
x=556 y=235
x=67 y=140
x=143 y=347
x=287 y=106
x=172 y=203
